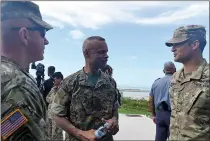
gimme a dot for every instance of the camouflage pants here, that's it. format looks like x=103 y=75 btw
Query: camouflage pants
x=54 y=131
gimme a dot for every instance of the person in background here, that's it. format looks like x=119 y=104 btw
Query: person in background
x=54 y=131
x=87 y=99
x=159 y=102
x=48 y=84
x=108 y=70
x=189 y=91
x=23 y=110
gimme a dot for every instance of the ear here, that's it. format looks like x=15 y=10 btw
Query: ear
x=163 y=71
x=195 y=44
x=86 y=54
x=24 y=35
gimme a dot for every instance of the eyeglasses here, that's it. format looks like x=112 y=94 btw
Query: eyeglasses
x=180 y=44
x=41 y=30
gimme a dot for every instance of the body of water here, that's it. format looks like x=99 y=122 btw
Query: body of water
x=136 y=95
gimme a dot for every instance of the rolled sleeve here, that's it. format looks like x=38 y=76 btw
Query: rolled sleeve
x=59 y=104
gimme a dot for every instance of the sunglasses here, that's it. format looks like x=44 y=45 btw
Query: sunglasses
x=41 y=30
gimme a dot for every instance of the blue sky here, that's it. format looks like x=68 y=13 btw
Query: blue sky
x=135 y=33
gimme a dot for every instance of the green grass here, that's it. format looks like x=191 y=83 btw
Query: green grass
x=134 y=106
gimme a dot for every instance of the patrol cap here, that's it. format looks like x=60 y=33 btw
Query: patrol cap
x=23 y=9
x=184 y=33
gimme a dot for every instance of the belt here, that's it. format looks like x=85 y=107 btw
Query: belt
x=162 y=107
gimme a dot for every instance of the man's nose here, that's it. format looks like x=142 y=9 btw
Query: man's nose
x=106 y=56
x=173 y=49
x=46 y=42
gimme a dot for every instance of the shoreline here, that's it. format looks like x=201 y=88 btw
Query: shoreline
x=135 y=95
x=133 y=90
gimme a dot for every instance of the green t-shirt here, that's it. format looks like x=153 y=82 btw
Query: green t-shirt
x=93 y=78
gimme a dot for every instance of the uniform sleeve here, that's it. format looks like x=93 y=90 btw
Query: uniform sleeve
x=117 y=95
x=35 y=128
x=61 y=99
x=50 y=96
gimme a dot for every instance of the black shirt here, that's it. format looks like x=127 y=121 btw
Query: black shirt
x=48 y=84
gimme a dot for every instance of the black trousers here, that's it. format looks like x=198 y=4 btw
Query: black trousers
x=162 y=125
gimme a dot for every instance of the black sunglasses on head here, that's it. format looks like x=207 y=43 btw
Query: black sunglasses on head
x=41 y=30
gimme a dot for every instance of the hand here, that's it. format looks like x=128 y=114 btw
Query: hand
x=113 y=126
x=87 y=135
x=153 y=118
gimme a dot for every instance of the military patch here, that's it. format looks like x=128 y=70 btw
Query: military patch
x=11 y=123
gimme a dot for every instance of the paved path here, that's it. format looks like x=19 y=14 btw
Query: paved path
x=135 y=128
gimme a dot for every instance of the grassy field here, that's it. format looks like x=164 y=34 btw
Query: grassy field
x=134 y=106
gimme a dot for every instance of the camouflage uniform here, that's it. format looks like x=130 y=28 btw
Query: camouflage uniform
x=190 y=98
x=19 y=91
x=85 y=104
x=108 y=71
x=18 y=86
x=54 y=131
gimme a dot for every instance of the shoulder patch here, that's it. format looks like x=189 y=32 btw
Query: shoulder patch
x=11 y=123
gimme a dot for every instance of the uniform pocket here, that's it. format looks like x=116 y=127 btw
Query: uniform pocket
x=192 y=101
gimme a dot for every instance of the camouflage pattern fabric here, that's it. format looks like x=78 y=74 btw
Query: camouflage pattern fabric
x=107 y=71
x=54 y=131
x=190 y=100
x=49 y=99
x=184 y=33
x=84 y=104
x=17 y=86
x=23 y=9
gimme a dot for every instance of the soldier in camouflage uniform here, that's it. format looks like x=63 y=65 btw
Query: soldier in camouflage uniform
x=190 y=98
x=23 y=40
x=88 y=97
x=54 y=131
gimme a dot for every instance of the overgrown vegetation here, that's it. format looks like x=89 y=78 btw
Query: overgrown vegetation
x=134 y=106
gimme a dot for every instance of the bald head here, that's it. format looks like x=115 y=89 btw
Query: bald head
x=91 y=42
x=169 y=67
x=95 y=52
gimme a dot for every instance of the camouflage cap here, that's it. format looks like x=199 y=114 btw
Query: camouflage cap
x=22 y=9
x=184 y=33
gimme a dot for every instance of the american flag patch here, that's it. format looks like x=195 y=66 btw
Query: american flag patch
x=11 y=123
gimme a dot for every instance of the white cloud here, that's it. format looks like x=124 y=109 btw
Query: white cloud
x=183 y=14
x=90 y=14
x=76 y=34
x=55 y=23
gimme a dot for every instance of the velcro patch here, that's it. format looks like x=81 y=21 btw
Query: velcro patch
x=11 y=123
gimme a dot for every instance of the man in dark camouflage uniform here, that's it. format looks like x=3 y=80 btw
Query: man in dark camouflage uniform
x=23 y=40
x=190 y=97
x=88 y=97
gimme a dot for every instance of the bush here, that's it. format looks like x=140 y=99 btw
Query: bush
x=134 y=106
